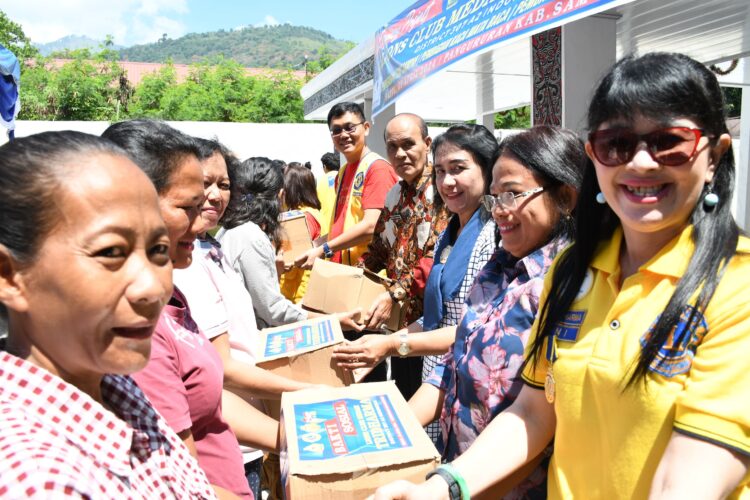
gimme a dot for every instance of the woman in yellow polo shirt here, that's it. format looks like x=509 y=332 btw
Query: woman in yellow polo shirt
x=639 y=364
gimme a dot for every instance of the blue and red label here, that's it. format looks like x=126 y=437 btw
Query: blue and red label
x=346 y=427
x=298 y=338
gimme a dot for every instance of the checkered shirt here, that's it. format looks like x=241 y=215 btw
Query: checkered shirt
x=56 y=441
x=485 y=245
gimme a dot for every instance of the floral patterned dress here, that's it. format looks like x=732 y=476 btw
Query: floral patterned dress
x=480 y=375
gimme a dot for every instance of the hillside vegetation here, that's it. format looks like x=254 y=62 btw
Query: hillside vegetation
x=72 y=42
x=280 y=46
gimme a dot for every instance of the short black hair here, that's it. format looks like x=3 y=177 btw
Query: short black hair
x=346 y=107
x=330 y=161
x=277 y=164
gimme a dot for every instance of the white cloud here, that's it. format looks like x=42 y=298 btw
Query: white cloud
x=128 y=21
x=269 y=20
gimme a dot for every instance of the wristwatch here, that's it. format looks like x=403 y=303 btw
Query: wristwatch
x=403 y=346
x=327 y=252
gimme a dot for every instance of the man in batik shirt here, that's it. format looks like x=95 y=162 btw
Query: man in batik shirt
x=405 y=237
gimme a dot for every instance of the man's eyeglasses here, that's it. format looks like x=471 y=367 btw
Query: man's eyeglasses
x=349 y=128
x=506 y=200
x=670 y=146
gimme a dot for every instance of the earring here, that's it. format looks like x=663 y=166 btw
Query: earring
x=711 y=199
x=600 y=198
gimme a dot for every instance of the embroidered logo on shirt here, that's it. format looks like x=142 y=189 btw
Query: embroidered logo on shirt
x=676 y=355
x=359 y=181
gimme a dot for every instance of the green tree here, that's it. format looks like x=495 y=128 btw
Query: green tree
x=88 y=87
x=733 y=99
x=148 y=95
x=15 y=40
x=517 y=118
x=326 y=57
x=221 y=91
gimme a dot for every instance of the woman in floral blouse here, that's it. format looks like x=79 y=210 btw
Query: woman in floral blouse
x=533 y=188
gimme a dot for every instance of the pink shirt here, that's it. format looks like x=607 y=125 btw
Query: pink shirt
x=183 y=380
x=220 y=303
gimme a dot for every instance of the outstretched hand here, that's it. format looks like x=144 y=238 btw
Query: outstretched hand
x=380 y=312
x=348 y=320
x=365 y=352
x=307 y=259
x=434 y=489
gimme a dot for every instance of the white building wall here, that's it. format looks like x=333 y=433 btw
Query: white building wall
x=284 y=141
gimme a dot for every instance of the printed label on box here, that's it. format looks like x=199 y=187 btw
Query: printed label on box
x=290 y=214
x=346 y=427
x=301 y=337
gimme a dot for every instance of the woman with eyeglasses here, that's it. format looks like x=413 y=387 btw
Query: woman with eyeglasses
x=638 y=366
x=462 y=171
x=533 y=191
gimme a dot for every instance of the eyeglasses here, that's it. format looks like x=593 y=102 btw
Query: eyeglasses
x=670 y=146
x=506 y=200
x=349 y=128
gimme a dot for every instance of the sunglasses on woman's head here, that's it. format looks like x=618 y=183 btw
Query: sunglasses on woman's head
x=671 y=146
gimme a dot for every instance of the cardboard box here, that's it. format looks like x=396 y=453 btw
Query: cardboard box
x=334 y=288
x=296 y=238
x=342 y=443
x=302 y=351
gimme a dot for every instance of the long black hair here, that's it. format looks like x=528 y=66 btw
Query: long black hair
x=557 y=158
x=256 y=184
x=657 y=86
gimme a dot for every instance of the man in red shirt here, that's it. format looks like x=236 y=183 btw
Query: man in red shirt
x=361 y=187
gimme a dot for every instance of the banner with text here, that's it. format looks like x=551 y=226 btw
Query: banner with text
x=432 y=34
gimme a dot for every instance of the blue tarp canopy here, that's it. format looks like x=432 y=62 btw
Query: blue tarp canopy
x=10 y=77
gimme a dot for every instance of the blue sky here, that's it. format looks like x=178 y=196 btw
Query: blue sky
x=346 y=20
x=141 y=21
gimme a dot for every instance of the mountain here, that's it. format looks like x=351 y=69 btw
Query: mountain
x=71 y=42
x=279 y=46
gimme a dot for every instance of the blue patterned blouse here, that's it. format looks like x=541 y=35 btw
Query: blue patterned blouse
x=480 y=374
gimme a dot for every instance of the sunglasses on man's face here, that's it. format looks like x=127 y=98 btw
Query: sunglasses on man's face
x=671 y=146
